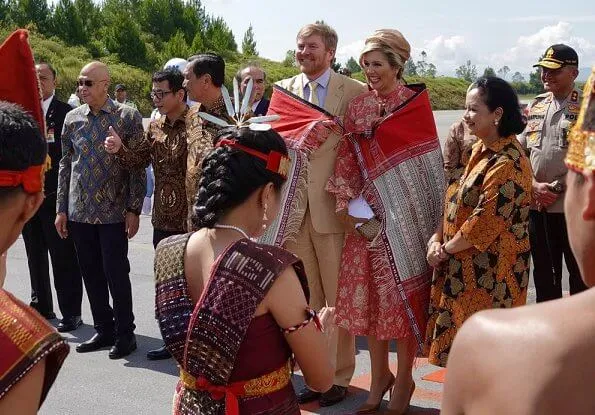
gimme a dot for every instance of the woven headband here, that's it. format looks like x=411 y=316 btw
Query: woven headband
x=31 y=179
x=275 y=161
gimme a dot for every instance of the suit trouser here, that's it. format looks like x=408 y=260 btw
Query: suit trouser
x=103 y=256
x=40 y=237
x=321 y=255
x=549 y=243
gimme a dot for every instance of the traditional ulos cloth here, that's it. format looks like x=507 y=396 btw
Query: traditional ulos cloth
x=230 y=361
x=490 y=206
x=26 y=338
x=391 y=156
x=304 y=127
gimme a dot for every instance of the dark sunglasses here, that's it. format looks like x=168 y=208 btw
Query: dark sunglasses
x=87 y=82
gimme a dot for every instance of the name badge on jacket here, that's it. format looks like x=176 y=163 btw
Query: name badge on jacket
x=50 y=138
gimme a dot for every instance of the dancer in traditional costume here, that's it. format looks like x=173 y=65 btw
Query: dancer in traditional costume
x=233 y=311
x=311 y=106
x=31 y=351
x=481 y=250
x=389 y=163
x=537 y=360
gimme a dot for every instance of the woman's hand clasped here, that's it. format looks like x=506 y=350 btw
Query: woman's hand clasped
x=436 y=254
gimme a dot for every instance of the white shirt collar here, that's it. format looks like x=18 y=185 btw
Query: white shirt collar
x=45 y=104
x=255 y=105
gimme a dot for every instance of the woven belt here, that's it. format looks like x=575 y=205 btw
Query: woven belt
x=263 y=385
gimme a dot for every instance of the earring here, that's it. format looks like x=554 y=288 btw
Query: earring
x=264 y=217
x=496 y=122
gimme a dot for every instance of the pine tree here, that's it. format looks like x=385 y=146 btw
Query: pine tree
x=68 y=25
x=123 y=37
x=353 y=66
x=249 y=44
x=219 y=38
x=176 y=46
x=25 y=12
x=489 y=71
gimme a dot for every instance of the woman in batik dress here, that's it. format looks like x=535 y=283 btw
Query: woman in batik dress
x=481 y=251
x=232 y=312
x=373 y=300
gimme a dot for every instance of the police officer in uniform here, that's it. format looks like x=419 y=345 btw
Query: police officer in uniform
x=551 y=116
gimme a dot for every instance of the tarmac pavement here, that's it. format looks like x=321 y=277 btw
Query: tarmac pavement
x=93 y=384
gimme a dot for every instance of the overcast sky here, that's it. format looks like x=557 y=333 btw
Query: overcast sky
x=506 y=32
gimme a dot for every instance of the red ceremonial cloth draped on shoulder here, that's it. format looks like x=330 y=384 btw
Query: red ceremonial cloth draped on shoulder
x=304 y=127
x=401 y=164
x=18 y=77
x=407 y=132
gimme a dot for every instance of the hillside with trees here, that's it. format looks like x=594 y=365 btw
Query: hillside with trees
x=136 y=37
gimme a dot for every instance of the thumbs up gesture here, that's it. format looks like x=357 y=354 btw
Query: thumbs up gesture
x=113 y=142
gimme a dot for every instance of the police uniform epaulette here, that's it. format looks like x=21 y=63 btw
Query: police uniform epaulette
x=541 y=96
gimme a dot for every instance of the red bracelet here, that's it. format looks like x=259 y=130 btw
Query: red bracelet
x=311 y=316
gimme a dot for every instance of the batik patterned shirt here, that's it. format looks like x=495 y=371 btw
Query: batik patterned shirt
x=92 y=186
x=200 y=136
x=164 y=145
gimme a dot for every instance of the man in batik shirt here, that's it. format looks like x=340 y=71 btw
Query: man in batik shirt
x=204 y=75
x=98 y=204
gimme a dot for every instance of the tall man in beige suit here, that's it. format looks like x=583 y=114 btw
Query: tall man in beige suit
x=320 y=240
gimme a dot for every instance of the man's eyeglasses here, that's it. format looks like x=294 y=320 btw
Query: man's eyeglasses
x=159 y=94
x=88 y=82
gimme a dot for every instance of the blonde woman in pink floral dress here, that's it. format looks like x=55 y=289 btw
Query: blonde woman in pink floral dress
x=390 y=158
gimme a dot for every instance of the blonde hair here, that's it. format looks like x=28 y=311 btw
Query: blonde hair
x=327 y=33
x=394 y=59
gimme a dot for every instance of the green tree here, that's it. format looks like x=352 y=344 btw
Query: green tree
x=335 y=66
x=4 y=10
x=468 y=72
x=176 y=46
x=68 y=25
x=424 y=68
x=489 y=71
x=503 y=72
x=289 y=58
x=90 y=15
x=123 y=38
x=353 y=66
x=25 y=12
x=535 y=84
x=219 y=37
x=248 y=43
x=410 y=68
x=518 y=77
x=198 y=44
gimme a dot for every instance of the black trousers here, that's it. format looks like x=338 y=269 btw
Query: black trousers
x=41 y=237
x=549 y=244
x=159 y=235
x=103 y=256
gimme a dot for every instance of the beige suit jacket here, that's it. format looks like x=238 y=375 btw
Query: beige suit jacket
x=341 y=90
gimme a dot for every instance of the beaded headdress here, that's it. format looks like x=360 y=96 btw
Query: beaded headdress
x=240 y=116
x=581 y=147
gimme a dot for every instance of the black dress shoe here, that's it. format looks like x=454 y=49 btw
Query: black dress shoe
x=69 y=324
x=159 y=354
x=307 y=395
x=333 y=396
x=96 y=342
x=123 y=347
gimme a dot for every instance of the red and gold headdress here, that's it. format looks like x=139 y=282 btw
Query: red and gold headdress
x=20 y=86
x=275 y=161
x=581 y=147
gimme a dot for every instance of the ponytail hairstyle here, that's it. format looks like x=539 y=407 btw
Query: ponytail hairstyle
x=230 y=175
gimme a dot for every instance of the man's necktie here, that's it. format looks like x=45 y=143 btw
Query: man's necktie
x=313 y=98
